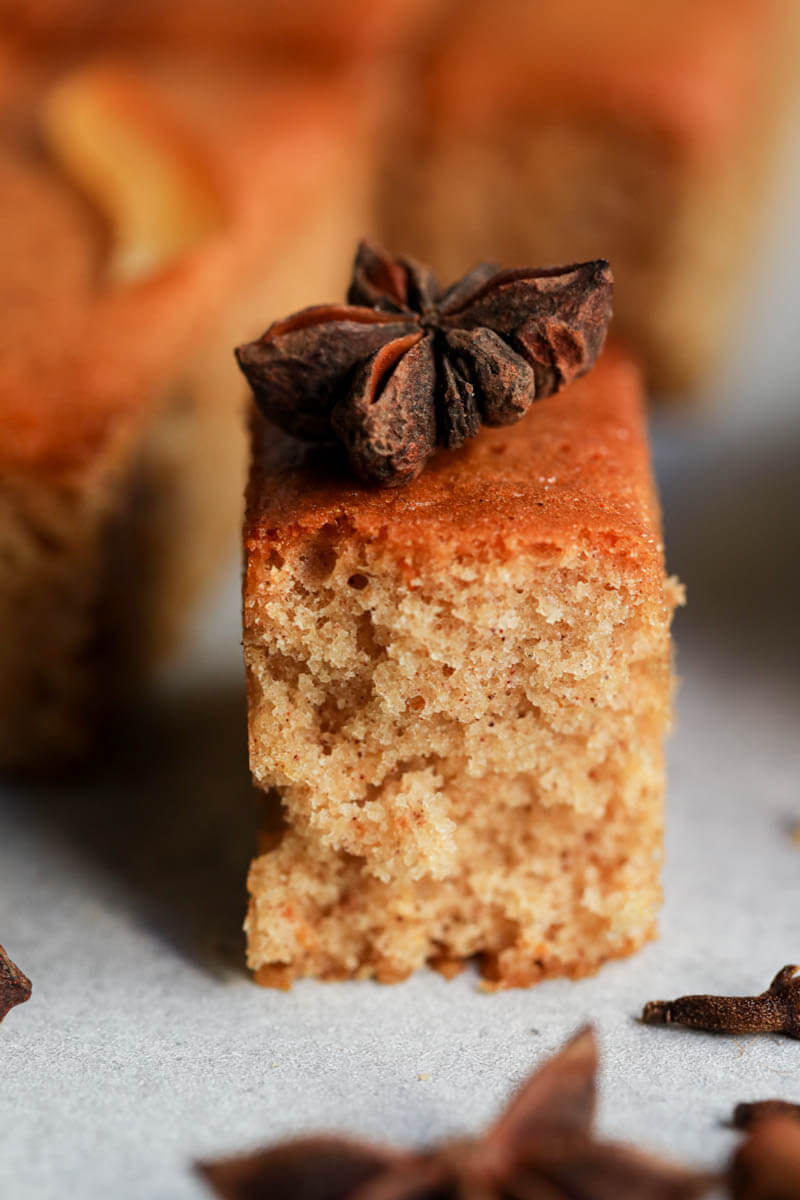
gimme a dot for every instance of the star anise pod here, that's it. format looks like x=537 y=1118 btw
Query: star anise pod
x=404 y=367
x=541 y=1148
x=15 y=987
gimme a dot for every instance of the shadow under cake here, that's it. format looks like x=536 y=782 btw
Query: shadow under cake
x=551 y=133
x=150 y=214
x=460 y=689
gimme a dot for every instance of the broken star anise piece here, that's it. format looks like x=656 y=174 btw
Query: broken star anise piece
x=403 y=367
x=540 y=1148
x=15 y=987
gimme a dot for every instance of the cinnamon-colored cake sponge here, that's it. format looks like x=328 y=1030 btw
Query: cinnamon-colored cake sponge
x=460 y=690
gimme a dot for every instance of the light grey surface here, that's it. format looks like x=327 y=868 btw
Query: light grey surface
x=145 y=1044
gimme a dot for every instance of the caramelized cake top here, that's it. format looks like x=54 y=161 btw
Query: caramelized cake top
x=575 y=470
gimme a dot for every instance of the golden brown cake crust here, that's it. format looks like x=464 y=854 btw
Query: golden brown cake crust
x=575 y=467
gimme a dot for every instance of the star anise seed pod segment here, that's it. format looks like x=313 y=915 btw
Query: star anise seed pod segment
x=15 y=987
x=403 y=367
x=541 y=1148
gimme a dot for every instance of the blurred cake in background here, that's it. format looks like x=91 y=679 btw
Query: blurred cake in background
x=642 y=132
x=150 y=217
x=312 y=30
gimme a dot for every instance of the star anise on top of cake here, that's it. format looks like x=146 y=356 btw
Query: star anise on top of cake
x=540 y=1148
x=405 y=367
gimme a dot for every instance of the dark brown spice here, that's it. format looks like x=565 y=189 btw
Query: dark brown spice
x=15 y=988
x=767 y=1164
x=541 y=1146
x=746 y=1115
x=775 y=1011
x=403 y=367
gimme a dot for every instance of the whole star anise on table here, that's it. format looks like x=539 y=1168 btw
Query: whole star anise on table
x=541 y=1148
x=404 y=367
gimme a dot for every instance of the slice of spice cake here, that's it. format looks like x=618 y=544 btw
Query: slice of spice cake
x=459 y=687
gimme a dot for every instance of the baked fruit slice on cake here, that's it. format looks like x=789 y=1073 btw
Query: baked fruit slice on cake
x=644 y=129
x=147 y=214
x=460 y=686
